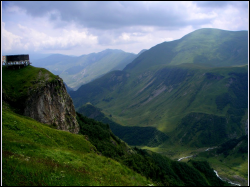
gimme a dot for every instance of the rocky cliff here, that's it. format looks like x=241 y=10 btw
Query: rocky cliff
x=52 y=105
x=39 y=94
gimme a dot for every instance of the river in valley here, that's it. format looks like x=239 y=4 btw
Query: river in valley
x=226 y=180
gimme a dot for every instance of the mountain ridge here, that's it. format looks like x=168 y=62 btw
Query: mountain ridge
x=76 y=71
x=212 y=47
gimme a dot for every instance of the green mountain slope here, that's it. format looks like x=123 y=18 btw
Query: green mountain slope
x=163 y=97
x=76 y=71
x=210 y=47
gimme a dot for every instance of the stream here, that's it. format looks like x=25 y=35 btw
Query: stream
x=214 y=170
x=185 y=157
x=225 y=180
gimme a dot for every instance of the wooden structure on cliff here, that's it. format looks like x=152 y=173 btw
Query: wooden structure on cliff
x=16 y=60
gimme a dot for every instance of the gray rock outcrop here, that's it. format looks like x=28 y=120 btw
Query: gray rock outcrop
x=51 y=104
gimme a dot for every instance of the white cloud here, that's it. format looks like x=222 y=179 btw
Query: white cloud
x=125 y=36
x=32 y=39
x=10 y=41
x=231 y=19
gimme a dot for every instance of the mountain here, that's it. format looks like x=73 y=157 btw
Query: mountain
x=53 y=60
x=198 y=104
x=160 y=94
x=76 y=71
x=210 y=47
x=38 y=153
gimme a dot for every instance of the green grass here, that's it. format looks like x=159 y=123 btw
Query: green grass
x=35 y=154
x=19 y=83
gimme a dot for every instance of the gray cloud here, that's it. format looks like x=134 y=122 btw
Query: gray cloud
x=113 y=15
x=94 y=26
x=221 y=4
x=212 y=4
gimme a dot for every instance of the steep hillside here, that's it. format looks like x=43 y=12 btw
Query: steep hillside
x=39 y=94
x=167 y=96
x=35 y=154
x=76 y=71
x=210 y=47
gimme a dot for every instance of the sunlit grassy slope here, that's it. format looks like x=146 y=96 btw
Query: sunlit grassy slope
x=19 y=83
x=35 y=154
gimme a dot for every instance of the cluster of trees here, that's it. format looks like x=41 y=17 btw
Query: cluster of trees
x=160 y=169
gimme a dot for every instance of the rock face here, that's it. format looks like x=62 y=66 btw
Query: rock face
x=52 y=105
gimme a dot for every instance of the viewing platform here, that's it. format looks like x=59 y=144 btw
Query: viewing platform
x=16 y=61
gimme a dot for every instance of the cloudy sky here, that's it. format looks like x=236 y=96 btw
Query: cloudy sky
x=77 y=28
